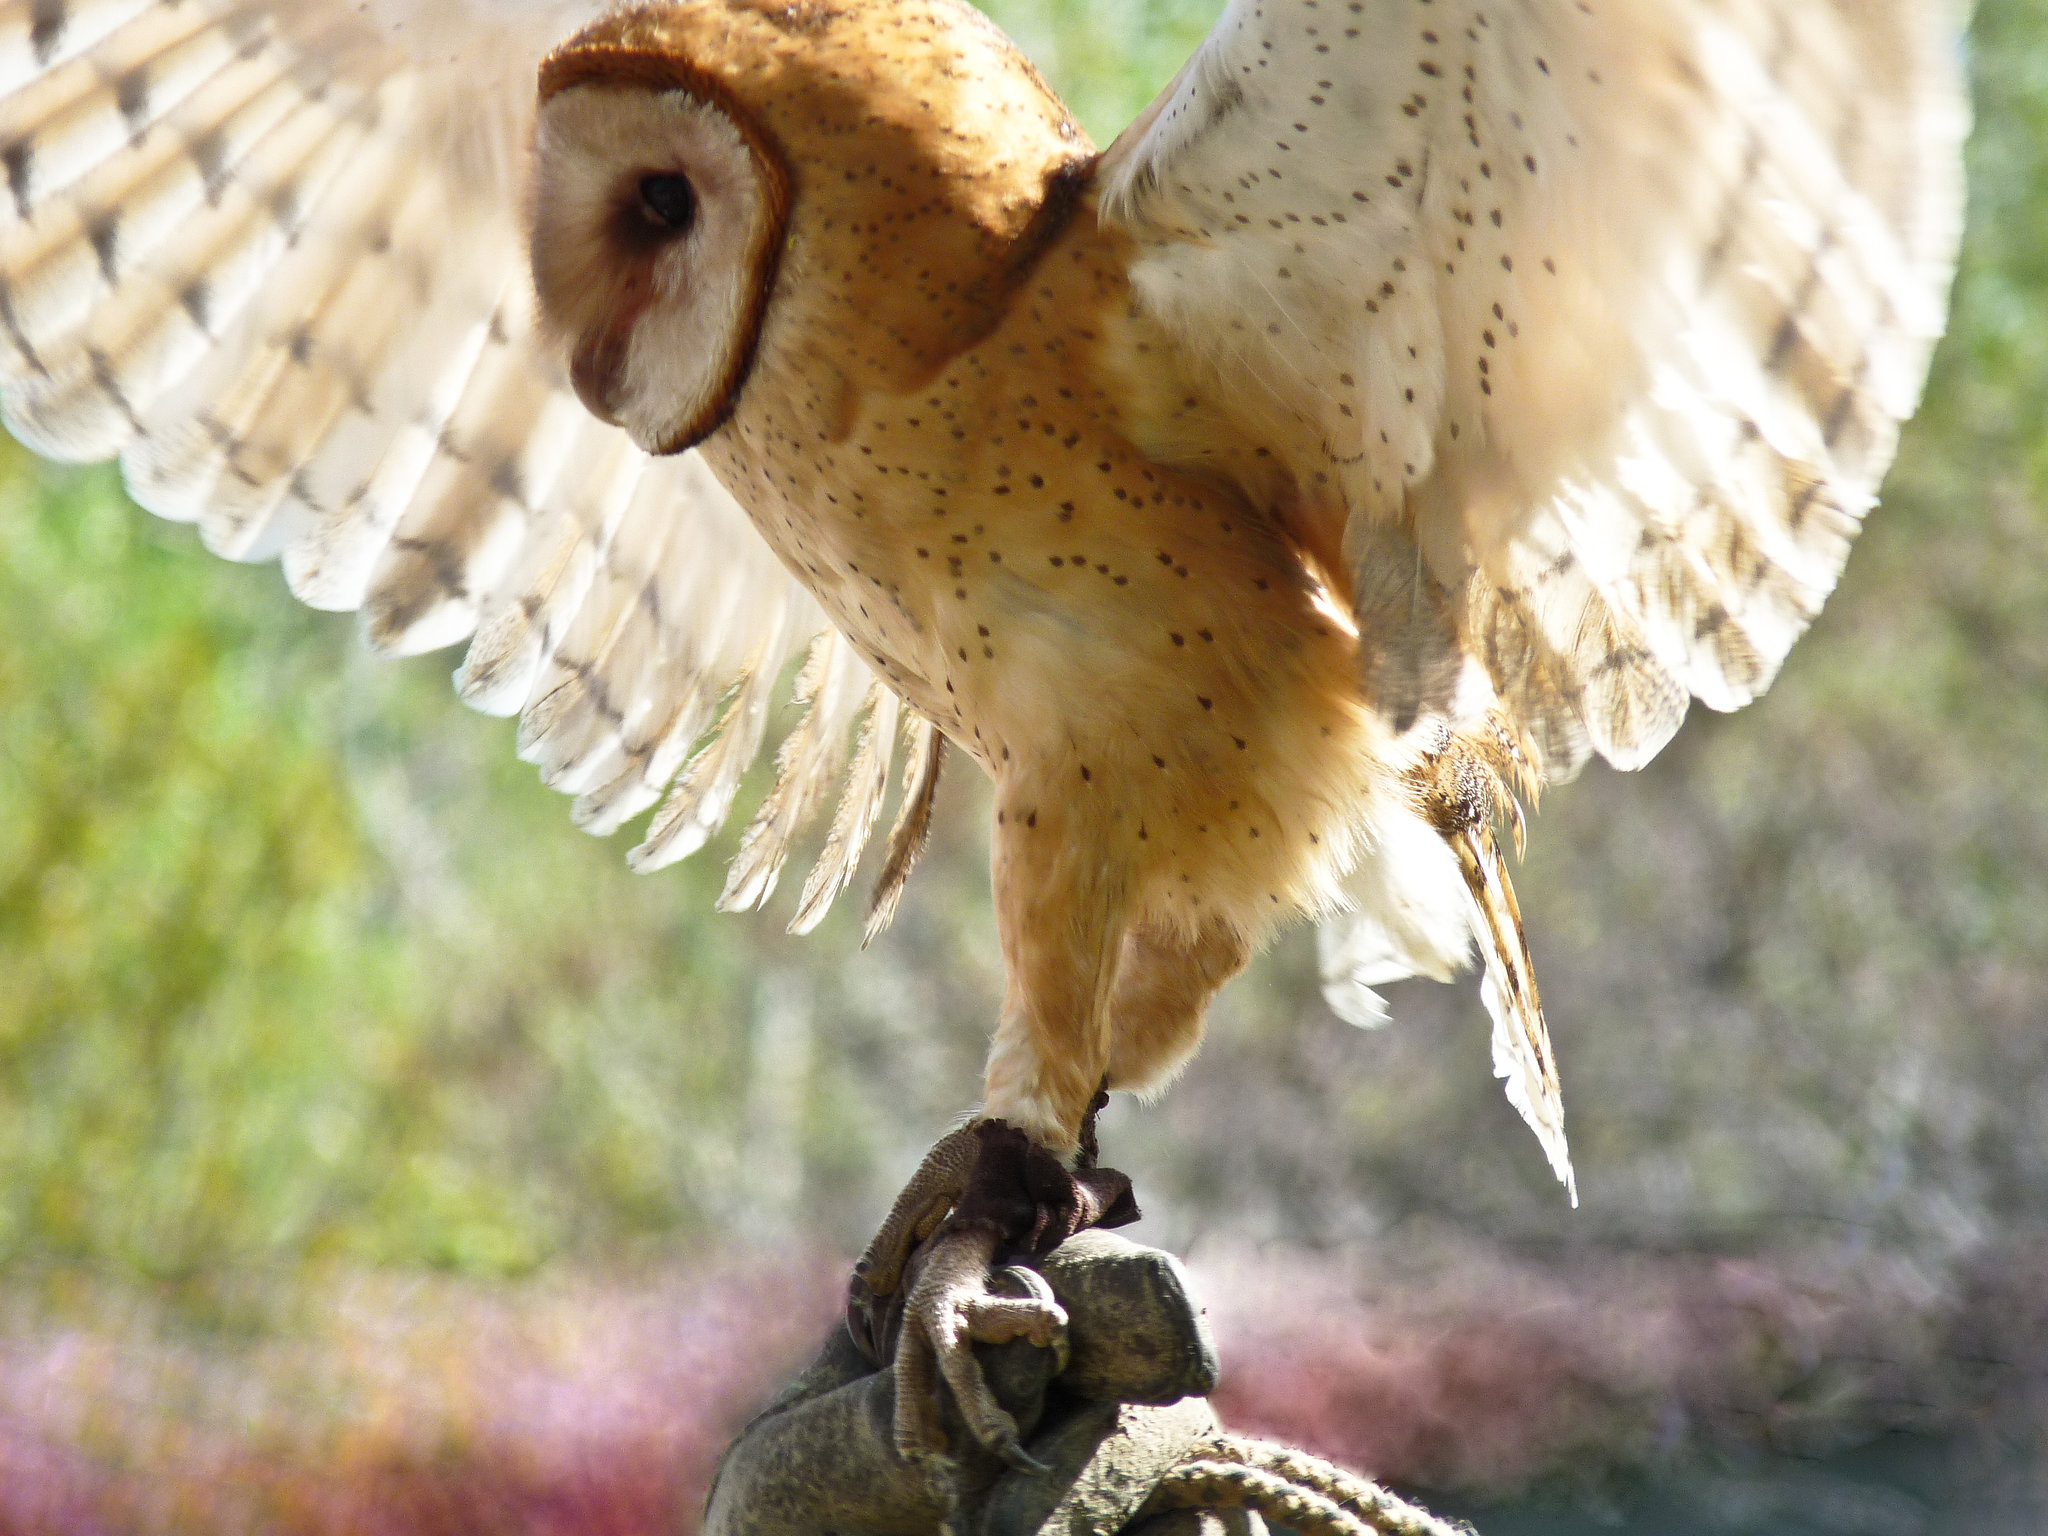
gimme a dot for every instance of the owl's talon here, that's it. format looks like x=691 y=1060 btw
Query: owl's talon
x=873 y=1293
x=929 y=1287
x=953 y=1306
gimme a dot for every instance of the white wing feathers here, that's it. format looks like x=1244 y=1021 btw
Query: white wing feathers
x=867 y=786
x=1590 y=323
x=1613 y=306
x=1406 y=913
x=269 y=255
x=1416 y=907
x=831 y=687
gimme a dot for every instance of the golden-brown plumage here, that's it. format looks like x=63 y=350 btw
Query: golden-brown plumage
x=1015 y=421
x=935 y=436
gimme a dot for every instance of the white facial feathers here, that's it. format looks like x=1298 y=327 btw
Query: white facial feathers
x=655 y=229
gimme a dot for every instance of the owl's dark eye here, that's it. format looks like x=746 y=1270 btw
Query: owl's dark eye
x=669 y=202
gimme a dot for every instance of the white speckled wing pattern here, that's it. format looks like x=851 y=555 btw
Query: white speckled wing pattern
x=1612 y=306
x=269 y=254
x=1589 y=322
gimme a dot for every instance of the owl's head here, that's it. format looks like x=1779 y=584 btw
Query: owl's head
x=658 y=225
x=713 y=174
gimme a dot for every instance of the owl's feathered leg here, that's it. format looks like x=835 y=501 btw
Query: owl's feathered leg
x=1164 y=984
x=1018 y=1182
x=920 y=1298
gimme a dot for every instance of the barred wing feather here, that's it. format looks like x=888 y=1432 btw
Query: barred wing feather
x=268 y=253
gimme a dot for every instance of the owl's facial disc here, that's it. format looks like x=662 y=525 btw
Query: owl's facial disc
x=657 y=223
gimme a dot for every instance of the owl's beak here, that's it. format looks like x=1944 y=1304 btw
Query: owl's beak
x=594 y=368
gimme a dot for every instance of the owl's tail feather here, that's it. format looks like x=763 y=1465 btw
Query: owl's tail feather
x=1521 y=1040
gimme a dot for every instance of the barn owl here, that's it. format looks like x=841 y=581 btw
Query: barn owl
x=1420 y=397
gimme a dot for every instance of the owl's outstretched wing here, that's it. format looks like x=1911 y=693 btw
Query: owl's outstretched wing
x=1584 y=328
x=270 y=254
x=1591 y=321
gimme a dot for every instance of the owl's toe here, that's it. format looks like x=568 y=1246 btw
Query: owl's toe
x=939 y=1279
x=957 y=1302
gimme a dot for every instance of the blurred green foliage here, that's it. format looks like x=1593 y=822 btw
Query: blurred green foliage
x=298 y=963
x=182 y=913
x=1107 y=60
x=272 y=986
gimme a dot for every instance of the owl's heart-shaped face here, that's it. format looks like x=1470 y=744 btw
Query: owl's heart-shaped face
x=657 y=221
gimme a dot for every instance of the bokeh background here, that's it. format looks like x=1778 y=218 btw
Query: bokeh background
x=377 y=1154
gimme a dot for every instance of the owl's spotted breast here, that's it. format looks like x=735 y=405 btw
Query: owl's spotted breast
x=1089 y=624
